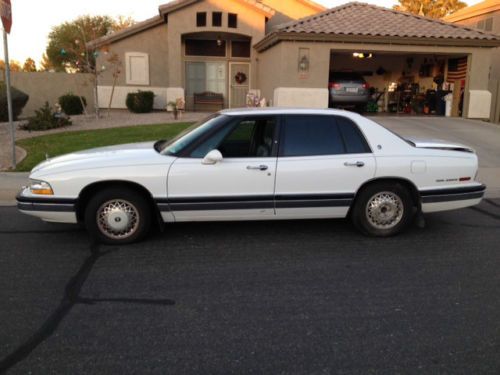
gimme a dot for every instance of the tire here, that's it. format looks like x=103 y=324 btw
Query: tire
x=383 y=209
x=117 y=216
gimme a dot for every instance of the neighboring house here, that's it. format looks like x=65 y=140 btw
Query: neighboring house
x=485 y=16
x=284 y=51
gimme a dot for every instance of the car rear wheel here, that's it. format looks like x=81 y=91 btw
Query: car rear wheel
x=117 y=216
x=383 y=209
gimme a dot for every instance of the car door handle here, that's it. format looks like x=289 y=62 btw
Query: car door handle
x=258 y=167
x=358 y=164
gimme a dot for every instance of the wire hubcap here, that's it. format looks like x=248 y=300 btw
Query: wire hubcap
x=118 y=219
x=384 y=210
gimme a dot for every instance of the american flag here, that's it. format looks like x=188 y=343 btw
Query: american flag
x=457 y=69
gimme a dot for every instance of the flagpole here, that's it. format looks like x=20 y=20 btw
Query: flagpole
x=9 y=98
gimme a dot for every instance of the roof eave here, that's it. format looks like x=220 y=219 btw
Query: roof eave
x=171 y=7
x=125 y=33
x=313 y=5
x=470 y=13
x=277 y=37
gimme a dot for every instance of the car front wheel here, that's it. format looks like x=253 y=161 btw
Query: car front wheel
x=117 y=216
x=383 y=209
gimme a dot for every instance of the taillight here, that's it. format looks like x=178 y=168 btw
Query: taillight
x=335 y=86
x=366 y=85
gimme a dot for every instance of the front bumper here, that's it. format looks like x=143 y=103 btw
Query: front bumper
x=61 y=210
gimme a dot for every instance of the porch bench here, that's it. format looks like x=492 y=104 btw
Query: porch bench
x=208 y=97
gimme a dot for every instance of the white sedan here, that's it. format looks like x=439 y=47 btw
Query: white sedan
x=264 y=164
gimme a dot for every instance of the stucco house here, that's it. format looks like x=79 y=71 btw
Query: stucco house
x=285 y=50
x=485 y=16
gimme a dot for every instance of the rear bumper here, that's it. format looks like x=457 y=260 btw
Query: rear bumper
x=348 y=99
x=61 y=210
x=451 y=198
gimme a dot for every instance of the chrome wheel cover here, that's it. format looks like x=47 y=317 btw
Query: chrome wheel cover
x=118 y=219
x=384 y=210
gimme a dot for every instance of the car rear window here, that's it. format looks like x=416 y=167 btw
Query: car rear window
x=346 y=76
x=355 y=142
x=311 y=135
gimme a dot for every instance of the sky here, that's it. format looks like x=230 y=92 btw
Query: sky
x=33 y=19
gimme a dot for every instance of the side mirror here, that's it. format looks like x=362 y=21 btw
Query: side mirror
x=213 y=157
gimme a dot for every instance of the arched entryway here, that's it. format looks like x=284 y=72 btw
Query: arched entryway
x=218 y=63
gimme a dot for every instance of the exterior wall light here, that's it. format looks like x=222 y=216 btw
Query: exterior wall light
x=303 y=60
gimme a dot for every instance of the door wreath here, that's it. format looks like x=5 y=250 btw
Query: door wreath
x=240 y=78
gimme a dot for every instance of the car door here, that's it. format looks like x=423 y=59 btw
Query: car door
x=240 y=186
x=323 y=160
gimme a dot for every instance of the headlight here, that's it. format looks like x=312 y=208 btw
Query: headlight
x=40 y=188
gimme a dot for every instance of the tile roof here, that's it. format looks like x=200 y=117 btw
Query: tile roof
x=367 y=21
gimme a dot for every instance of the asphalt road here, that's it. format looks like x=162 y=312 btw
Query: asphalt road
x=303 y=297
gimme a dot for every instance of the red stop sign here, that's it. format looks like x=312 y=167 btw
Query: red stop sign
x=6 y=13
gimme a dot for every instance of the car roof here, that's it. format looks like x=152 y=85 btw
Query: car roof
x=283 y=111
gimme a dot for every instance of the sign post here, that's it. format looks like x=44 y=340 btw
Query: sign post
x=6 y=15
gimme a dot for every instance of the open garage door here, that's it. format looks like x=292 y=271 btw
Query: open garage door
x=391 y=83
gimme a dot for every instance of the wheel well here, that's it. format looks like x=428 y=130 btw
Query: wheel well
x=90 y=190
x=395 y=180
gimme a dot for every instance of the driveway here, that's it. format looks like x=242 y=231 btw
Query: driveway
x=482 y=136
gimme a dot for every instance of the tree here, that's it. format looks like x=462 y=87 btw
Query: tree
x=45 y=64
x=66 y=47
x=69 y=49
x=122 y=22
x=15 y=66
x=29 y=65
x=430 y=8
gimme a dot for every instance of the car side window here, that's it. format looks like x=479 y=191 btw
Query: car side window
x=249 y=137
x=311 y=136
x=355 y=142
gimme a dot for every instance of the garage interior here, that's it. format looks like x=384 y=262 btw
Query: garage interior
x=411 y=84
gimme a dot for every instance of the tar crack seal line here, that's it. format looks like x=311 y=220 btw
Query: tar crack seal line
x=70 y=298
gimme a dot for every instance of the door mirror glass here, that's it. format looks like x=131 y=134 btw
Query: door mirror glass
x=213 y=157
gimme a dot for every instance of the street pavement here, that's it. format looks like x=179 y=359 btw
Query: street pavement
x=291 y=297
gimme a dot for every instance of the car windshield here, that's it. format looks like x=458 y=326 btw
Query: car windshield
x=188 y=136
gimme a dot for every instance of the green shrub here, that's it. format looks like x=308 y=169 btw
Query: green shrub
x=72 y=104
x=19 y=100
x=45 y=118
x=141 y=101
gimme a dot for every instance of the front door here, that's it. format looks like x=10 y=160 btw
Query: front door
x=241 y=186
x=323 y=160
x=240 y=84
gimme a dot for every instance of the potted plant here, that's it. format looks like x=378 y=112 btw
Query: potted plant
x=176 y=107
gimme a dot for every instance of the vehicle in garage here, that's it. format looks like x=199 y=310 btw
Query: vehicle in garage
x=256 y=164
x=348 y=89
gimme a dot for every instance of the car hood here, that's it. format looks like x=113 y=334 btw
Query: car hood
x=439 y=144
x=102 y=157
